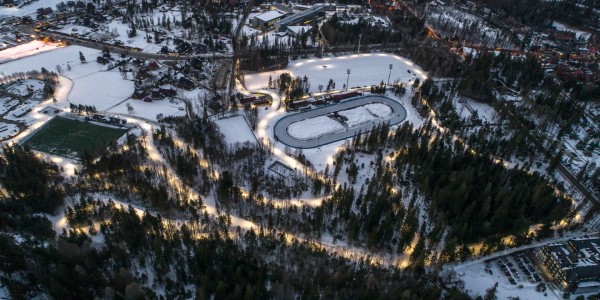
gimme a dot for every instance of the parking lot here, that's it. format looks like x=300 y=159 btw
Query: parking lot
x=518 y=269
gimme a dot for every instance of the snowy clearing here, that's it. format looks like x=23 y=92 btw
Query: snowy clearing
x=365 y=70
x=150 y=110
x=235 y=130
x=101 y=89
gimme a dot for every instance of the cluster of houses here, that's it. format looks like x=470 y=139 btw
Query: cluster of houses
x=302 y=18
x=574 y=265
x=156 y=82
x=569 y=54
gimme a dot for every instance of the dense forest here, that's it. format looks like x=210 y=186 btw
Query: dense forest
x=113 y=251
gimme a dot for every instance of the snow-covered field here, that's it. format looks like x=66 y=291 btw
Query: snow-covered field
x=366 y=113
x=314 y=127
x=49 y=60
x=365 y=69
x=477 y=281
x=235 y=130
x=149 y=110
x=24 y=50
x=101 y=89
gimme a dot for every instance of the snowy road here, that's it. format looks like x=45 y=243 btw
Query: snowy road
x=281 y=127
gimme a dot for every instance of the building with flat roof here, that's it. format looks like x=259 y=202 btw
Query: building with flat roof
x=267 y=20
x=575 y=265
x=303 y=18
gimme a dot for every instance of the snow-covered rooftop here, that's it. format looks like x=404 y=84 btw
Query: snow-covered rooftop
x=298 y=29
x=269 y=16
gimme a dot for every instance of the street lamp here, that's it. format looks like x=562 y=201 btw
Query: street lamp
x=359 y=38
x=390 y=74
x=348 y=78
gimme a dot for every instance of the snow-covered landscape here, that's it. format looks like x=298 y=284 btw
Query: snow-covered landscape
x=416 y=150
x=365 y=70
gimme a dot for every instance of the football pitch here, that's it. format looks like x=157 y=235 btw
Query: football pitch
x=70 y=138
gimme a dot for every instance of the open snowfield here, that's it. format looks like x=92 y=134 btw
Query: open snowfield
x=149 y=110
x=235 y=130
x=314 y=127
x=24 y=50
x=101 y=89
x=366 y=70
x=366 y=113
x=486 y=113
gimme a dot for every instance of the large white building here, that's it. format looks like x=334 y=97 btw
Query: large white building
x=267 y=20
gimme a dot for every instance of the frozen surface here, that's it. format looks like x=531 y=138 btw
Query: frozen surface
x=366 y=113
x=314 y=127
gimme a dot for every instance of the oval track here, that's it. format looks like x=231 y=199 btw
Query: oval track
x=280 y=128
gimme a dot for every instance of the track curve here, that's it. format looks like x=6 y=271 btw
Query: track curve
x=281 y=134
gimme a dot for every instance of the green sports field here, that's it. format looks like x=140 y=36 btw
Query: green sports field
x=69 y=138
